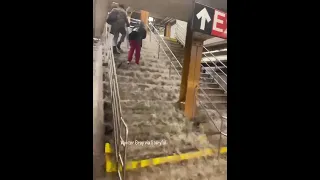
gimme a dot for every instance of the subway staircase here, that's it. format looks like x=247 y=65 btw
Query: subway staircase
x=149 y=94
x=217 y=97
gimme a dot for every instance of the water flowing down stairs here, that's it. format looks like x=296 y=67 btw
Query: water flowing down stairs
x=148 y=94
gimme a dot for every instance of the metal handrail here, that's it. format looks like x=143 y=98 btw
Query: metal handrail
x=183 y=34
x=180 y=36
x=180 y=29
x=214 y=57
x=180 y=76
x=212 y=70
x=177 y=34
x=154 y=36
x=217 y=75
x=166 y=44
x=120 y=126
x=215 y=65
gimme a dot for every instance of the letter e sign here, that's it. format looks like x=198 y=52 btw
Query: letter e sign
x=219 y=25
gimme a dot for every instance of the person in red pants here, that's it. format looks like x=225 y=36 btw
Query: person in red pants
x=135 y=38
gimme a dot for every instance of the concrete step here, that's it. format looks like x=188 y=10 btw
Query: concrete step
x=158 y=121
x=179 y=57
x=213 y=97
x=199 y=169
x=221 y=70
x=143 y=54
x=171 y=144
x=162 y=56
x=212 y=91
x=142 y=64
x=176 y=50
x=220 y=105
x=210 y=121
x=211 y=130
x=142 y=69
x=146 y=106
x=177 y=66
x=144 y=51
x=173 y=44
x=207 y=80
x=169 y=57
x=149 y=124
x=205 y=85
x=205 y=75
x=153 y=128
x=179 y=60
x=214 y=137
x=151 y=119
x=201 y=113
x=147 y=74
x=147 y=96
x=155 y=79
x=134 y=91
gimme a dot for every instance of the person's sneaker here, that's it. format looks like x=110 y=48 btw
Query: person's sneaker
x=118 y=46
x=128 y=62
x=115 y=50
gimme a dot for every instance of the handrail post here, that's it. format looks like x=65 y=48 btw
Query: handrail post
x=170 y=71
x=220 y=139
x=158 y=49
x=195 y=103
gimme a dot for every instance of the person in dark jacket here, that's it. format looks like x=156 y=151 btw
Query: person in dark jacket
x=118 y=20
x=135 y=38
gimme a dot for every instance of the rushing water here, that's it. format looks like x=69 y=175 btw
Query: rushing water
x=156 y=126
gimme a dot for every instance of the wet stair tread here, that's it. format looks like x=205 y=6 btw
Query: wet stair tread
x=152 y=80
x=148 y=109
x=171 y=144
x=200 y=169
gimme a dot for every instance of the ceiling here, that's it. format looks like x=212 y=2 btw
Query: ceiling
x=178 y=9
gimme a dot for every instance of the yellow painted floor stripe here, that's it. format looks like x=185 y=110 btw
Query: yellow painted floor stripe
x=107 y=148
x=171 y=39
x=111 y=166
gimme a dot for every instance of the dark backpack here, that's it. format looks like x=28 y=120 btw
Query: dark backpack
x=112 y=17
x=135 y=33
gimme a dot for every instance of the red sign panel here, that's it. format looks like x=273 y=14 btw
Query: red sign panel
x=219 y=25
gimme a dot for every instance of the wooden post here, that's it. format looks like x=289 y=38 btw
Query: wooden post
x=144 y=16
x=190 y=73
x=168 y=30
